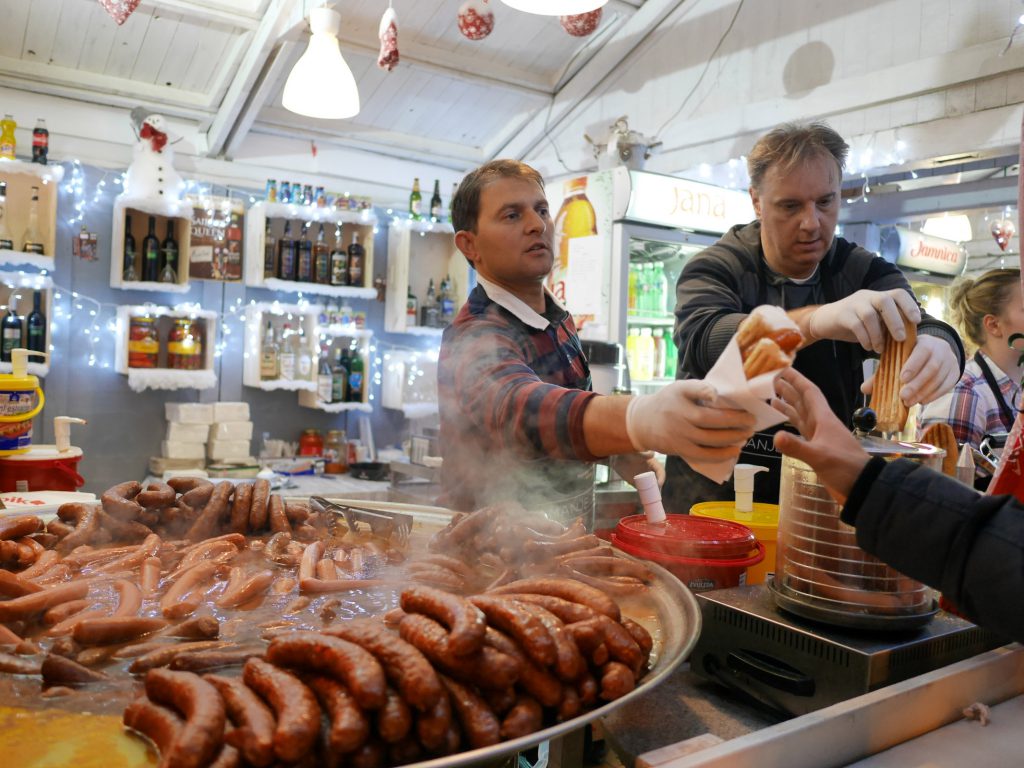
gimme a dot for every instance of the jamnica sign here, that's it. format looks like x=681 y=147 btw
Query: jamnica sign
x=929 y=254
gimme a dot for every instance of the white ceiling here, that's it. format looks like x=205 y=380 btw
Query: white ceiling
x=223 y=64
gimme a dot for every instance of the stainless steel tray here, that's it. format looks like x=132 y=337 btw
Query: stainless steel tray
x=679 y=621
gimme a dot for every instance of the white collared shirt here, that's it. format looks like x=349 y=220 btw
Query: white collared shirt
x=515 y=305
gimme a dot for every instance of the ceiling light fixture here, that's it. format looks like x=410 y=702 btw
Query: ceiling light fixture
x=321 y=83
x=555 y=7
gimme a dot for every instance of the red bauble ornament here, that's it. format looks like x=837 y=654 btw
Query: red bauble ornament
x=119 y=10
x=1003 y=232
x=581 y=24
x=475 y=19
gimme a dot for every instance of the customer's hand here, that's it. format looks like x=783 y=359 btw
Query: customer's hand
x=863 y=317
x=681 y=420
x=629 y=465
x=931 y=370
x=825 y=442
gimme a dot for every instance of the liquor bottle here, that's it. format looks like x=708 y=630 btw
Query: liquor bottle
x=10 y=333
x=33 y=241
x=451 y=200
x=269 y=369
x=271 y=193
x=305 y=268
x=576 y=218
x=129 y=273
x=269 y=253
x=6 y=242
x=325 y=377
x=356 y=258
x=447 y=302
x=286 y=250
x=320 y=198
x=303 y=357
x=436 y=210
x=35 y=325
x=284 y=194
x=307 y=194
x=169 y=271
x=339 y=260
x=355 y=379
x=7 y=139
x=416 y=201
x=286 y=354
x=40 y=142
x=339 y=378
x=321 y=258
x=430 y=311
x=411 y=309
x=151 y=253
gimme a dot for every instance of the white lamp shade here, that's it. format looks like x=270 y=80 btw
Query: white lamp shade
x=321 y=83
x=555 y=7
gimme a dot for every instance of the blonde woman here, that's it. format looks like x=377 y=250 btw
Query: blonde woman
x=988 y=310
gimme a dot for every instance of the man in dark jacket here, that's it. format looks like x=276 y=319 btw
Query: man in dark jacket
x=922 y=523
x=844 y=298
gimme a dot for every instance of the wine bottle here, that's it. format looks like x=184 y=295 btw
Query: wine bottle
x=286 y=249
x=6 y=242
x=339 y=378
x=321 y=258
x=436 y=210
x=35 y=325
x=269 y=252
x=10 y=333
x=169 y=270
x=305 y=268
x=416 y=201
x=151 y=253
x=129 y=273
x=33 y=241
x=356 y=258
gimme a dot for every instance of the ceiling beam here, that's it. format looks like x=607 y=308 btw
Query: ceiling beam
x=208 y=12
x=630 y=36
x=277 y=21
x=280 y=61
x=895 y=207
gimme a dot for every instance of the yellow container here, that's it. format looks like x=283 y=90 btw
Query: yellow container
x=763 y=521
x=21 y=400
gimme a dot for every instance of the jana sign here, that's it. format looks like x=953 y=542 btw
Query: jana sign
x=673 y=202
x=914 y=250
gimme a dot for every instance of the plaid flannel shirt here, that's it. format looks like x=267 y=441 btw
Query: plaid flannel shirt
x=512 y=389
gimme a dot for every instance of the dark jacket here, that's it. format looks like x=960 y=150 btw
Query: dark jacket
x=717 y=289
x=940 y=532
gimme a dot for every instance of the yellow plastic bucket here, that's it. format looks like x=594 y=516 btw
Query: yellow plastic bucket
x=21 y=400
x=764 y=522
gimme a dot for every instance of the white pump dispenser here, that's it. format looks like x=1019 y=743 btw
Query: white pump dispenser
x=62 y=431
x=743 y=483
x=646 y=484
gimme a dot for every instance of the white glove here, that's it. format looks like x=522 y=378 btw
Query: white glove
x=680 y=420
x=863 y=316
x=930 y=372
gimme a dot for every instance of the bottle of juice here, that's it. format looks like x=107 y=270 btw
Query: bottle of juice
x=632 y=341
x=645 y=356
x=671 y=357
x=576 y=218
x=7 y=140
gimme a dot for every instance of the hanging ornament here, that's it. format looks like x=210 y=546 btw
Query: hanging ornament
x=119 y=10
x=475 y=19
x=581 y=24
x=1003 y=232
x=388 y=34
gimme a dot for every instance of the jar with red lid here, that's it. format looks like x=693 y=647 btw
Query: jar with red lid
x=311 y=443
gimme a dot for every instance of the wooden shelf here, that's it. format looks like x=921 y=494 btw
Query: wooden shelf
x=140 y=379
x=163 y=211
x=322 y=289
x=10 y=258
x=166 y=378
x=433 y=251
x=310 y=400
x=256 y=316
x=21 y=176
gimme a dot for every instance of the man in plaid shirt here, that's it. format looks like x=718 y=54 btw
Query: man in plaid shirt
x=518 y=418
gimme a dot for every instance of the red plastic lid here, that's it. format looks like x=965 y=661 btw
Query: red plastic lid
x=687 y=536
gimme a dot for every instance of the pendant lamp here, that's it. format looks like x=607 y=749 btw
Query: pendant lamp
x=555 y=7
x=321 y=83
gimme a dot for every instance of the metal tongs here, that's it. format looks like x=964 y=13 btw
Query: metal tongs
x=381 y=523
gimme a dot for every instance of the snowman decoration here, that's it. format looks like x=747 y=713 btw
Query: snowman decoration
x=151 y=175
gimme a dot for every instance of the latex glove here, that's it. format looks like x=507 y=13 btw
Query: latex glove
x=681 y=420
x=863 y=317
x=931 y=370
x=629 y=465
x=824 y=442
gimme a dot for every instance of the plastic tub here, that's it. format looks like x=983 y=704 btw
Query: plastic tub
x=703 y=553
x=41 y=468
x=764 y=522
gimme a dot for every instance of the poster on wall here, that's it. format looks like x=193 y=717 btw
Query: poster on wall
x=216 y=248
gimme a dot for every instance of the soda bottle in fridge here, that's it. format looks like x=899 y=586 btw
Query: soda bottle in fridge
x=659 y=292
x=40 y=142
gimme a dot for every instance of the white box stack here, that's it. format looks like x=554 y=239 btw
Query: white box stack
x=230 y=434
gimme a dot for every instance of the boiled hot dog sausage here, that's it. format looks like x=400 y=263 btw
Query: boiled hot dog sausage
x=350 y=727
x=296 y=708
x=16 y=527
x=568 y=589
x=200 y=738
x=350 y=663
x=253 y=734
x=118 y=501
x=465 y=622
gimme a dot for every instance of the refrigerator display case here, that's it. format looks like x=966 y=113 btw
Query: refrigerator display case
x=621 y=239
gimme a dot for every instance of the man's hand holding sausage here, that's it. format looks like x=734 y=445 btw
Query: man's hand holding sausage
x=864 y=317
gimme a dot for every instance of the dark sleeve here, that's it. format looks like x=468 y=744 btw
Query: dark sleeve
x=883 y=276
x=708 y=310
x=938 y=531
